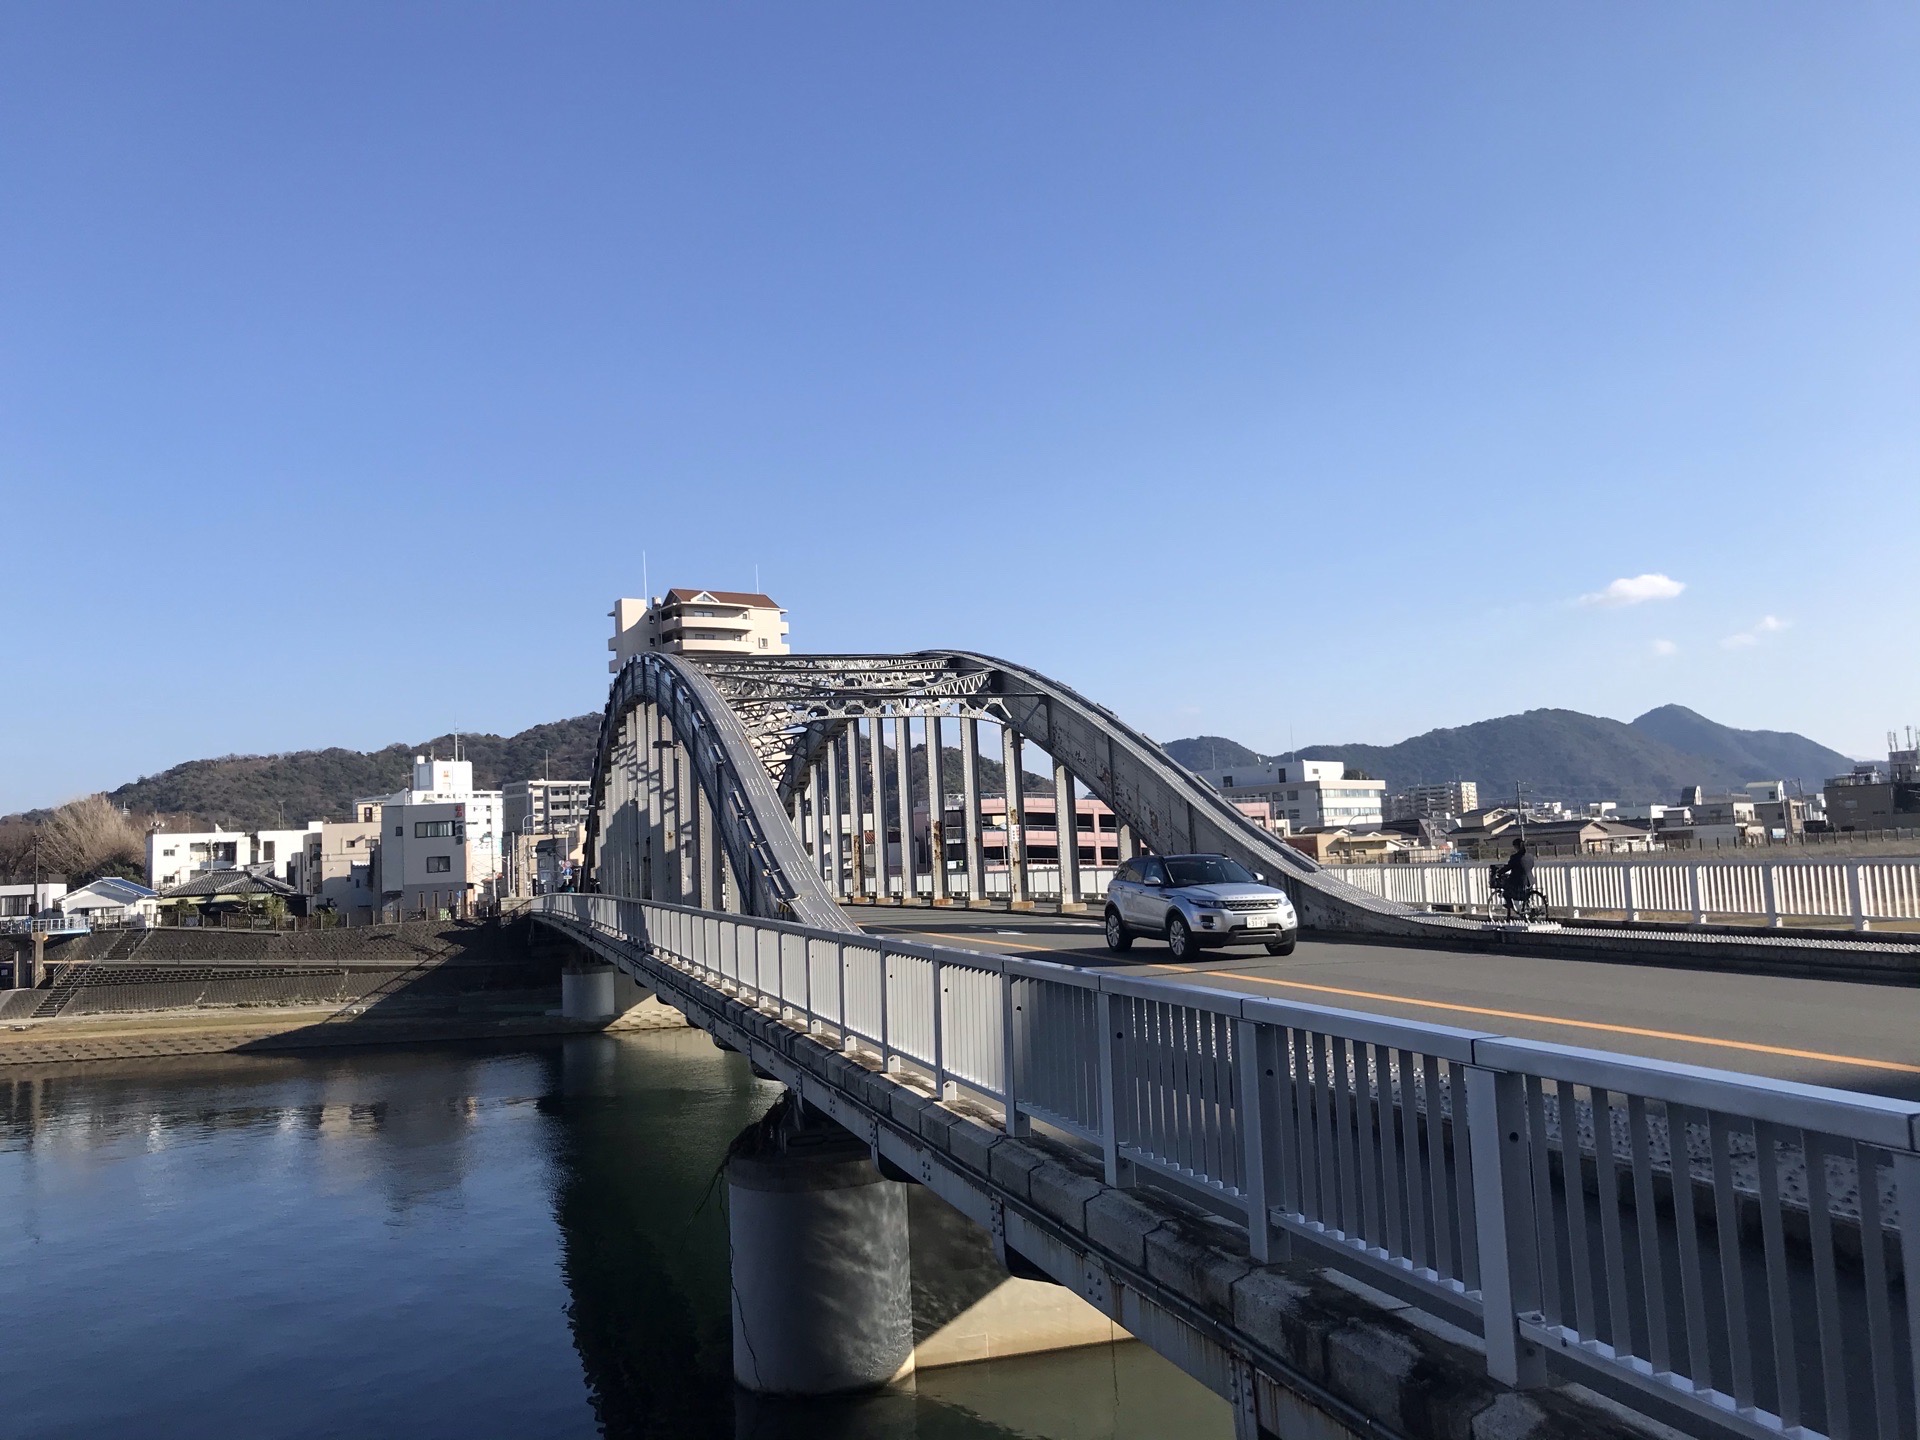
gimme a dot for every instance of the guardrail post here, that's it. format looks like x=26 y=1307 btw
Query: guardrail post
x=1856 y=896
x=1119 y=1172
x=889 y=1062
x=1010 y=1030
x=1504 y=1223
x=1906 y=1180
x=1573 y=891
x=943 y=1087
x=1426 y=888
x=1257 y=1051
x=1770 y=881
x=1626 y=891
x=840 y=995
x=1696 y=892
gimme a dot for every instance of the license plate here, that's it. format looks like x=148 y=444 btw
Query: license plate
x=1258 y=922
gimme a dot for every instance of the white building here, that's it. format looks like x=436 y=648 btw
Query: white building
x=440 y=840
x=1448 y=798
x=19 y=902
x=112 y=901
x=543 y=807
x=697 y=622
x=1311 y=794
x=175 y=857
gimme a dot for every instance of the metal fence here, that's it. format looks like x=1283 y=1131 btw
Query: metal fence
x=1729 y=1244
x=1854 y=893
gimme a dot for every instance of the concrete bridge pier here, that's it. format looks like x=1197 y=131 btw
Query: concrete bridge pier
x=822 y=1288
x=30 y=963
x=590 y=990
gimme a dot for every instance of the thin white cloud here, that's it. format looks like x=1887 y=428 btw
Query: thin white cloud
x=1745 y=639
x=1664 y=648
x=1635 y=590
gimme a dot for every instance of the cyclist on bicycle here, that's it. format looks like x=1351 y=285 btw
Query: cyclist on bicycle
x=1515 y=878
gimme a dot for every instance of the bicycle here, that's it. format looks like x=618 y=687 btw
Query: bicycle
x=1528 y=908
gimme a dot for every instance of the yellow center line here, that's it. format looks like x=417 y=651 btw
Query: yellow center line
x=1751 y=1046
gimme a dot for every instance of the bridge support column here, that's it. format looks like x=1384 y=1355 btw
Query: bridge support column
x=1012 y=760
x=970 y=802
x=30 y=963
x=903 y=783
x=593 y=991
x=1127 y=851
x=1066 y=837
x=877 y=770
x=936 y=816
x=836 y=871
x=856 y=846
x=822 y=1287
x=652 y=864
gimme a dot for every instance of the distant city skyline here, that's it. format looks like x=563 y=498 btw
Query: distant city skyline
x=1297 y=376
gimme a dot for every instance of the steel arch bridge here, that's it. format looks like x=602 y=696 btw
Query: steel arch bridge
x=741 y=783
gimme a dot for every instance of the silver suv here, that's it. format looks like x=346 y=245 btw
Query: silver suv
x=1194 y=901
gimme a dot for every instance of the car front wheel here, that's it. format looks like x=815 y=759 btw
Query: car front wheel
x=1180 y=939
x=1118 y=936
x=1281 y=945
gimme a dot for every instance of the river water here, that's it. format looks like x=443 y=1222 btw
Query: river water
x=445 y=1241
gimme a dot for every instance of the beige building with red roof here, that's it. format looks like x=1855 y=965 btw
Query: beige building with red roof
x=697 y=622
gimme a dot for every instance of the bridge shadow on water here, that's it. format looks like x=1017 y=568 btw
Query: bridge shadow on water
x=645 y=1122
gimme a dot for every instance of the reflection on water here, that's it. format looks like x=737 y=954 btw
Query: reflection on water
x=448 y=1241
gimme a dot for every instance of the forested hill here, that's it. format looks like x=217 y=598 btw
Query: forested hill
x=1560 y=754
x=244 y=792
x=1565 y=755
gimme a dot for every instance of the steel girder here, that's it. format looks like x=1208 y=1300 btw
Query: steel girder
x=776 y=875
x=784 y=711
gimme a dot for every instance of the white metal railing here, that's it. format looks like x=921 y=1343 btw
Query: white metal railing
x=1043 y=883
x=44 y=925
x=1730 y=1244
x=1855 y=893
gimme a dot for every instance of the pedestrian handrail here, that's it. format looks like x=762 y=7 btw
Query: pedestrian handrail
x=1730 y=1244
x=1853 y=893
x=44 y=925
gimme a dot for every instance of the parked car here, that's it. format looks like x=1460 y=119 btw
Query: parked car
x=1197 y=901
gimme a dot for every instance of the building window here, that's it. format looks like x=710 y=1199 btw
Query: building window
x=399 y=831
x=432 y=829
x=266 y=852
x=439 y=864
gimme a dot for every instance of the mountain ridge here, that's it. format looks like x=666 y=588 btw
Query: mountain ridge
x=1566 y=755
x=1559 y=754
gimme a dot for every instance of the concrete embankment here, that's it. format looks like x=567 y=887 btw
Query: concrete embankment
x=139 y=994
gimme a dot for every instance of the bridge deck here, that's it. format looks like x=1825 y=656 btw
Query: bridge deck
x=1821 y=1032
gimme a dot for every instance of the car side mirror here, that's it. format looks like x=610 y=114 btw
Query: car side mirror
x=1261 y=876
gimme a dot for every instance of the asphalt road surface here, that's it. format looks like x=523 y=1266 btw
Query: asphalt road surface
x=1822 y=1032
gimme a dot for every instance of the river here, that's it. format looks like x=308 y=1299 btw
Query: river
x=444 y=1241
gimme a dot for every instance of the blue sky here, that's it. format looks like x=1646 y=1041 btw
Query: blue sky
x=1282 y=371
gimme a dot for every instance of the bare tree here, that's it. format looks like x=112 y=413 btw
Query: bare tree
x=90 y=837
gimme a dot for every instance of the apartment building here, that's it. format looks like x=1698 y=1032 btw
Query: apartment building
x=1434 y=802
x=697 y=622
x=1310 y=794
x=340 y=866
x=542 y=807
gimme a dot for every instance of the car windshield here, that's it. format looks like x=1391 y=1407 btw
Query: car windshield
x=1208 y=870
